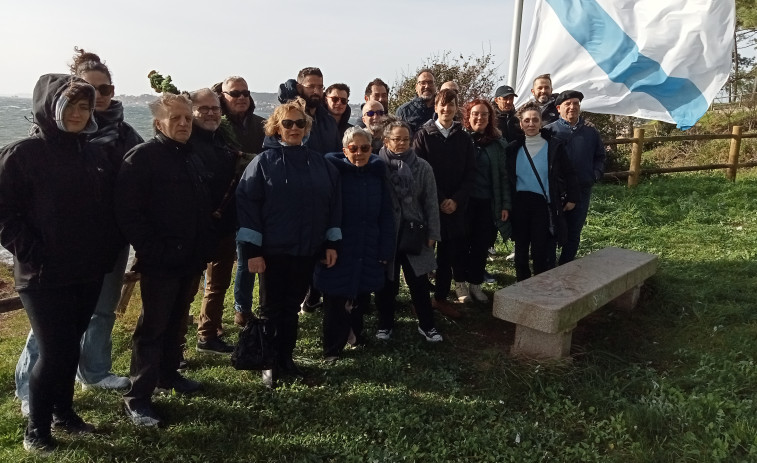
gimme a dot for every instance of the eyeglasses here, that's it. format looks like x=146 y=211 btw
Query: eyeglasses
x=105 y=89
x=363 y=148
x=288 y=123
x=337 y=99
x=207 y=109
x=374 y=113
x=238 y=93
x=400 y=139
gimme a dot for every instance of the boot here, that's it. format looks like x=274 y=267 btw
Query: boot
x=287 y=339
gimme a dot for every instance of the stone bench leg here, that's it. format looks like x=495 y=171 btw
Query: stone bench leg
x=539 y=345
x=628 y=300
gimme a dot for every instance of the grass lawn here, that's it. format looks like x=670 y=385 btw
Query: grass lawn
x=673 y=381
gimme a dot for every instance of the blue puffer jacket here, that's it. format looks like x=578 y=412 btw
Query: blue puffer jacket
x=415 y=113
x=367 y=230
x=289 y=202
x=584 y=147
x=324 y=136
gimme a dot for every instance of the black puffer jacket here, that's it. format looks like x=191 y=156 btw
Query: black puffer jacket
x=56 y=200
x=163 y=207
x=416 y=113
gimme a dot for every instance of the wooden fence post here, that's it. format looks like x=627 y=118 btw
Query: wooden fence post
x=636 y=149
x=733 y=155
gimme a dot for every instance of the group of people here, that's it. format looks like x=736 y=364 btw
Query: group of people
x=317 y=208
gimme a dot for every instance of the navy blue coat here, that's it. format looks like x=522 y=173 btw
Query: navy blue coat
x=584 y=147
x=367 y=230
x=289 y=202
x=324 y=136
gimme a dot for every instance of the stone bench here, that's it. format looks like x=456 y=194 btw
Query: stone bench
x=546 y=307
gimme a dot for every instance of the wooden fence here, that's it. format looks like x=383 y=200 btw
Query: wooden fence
x=635 y=171
x=633 y=174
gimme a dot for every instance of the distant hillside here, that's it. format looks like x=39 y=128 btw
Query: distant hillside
x=262 y=100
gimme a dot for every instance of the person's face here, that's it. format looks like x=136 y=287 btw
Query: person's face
x=530 y=122
x=207 y=112
x=76 y=115
x=336 y=101
x=425 y=86
x=570 y=110
x=102 y=84
x=176 y=123
x=358 y=151
x=381 y=94
x=237 y=97
x=398 y=140
x=505 y=103
x=292 y=135
x=451 y=86
x=542 y=90
x=311 y=90
x=479 y=118
x=446 y=112
x=373 y=114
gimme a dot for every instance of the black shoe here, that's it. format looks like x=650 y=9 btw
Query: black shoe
x=71 y=423
x=38 y=442
x=143 y=416
x=213 y=346
x=180 y=385
x=287 y=367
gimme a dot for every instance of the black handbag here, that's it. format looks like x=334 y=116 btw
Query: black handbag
x=412 y=237
x=255 y=349
x=558 y=226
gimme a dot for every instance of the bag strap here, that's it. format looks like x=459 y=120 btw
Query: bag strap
x=536 y=173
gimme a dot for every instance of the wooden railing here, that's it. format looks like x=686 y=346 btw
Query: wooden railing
x=635 y=171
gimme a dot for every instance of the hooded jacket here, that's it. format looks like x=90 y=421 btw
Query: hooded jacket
x=289 y=202
x=324 y=135
x=367 y=230
x=163 y=206
x=56 y=199
x=415 y=113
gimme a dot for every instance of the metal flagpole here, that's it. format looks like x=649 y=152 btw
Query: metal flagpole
x=512 y=76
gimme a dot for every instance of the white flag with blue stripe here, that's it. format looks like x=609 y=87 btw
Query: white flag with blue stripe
x=654 y=59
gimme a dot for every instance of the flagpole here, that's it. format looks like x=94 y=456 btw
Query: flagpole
x=512 y=76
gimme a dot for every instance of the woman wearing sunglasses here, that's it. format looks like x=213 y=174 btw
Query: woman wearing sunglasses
x=114 y=137
x=367 y=243
x=413 y=190
x=289 y=211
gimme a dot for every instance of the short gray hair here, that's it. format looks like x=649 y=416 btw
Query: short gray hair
x=158 y=107
x=393 y=124
x=349 y=135
x=201 y=93
x=229 y=80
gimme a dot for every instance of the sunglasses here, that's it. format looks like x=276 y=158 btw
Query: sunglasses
x=105 y=89
x=337 y=99
x=374 y=113
x=288 y=123
x=238 y=93
x=363 y=148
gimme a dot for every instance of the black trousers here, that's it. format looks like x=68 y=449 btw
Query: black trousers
x=531 y=230
x=418 y=285
x=283 y=286
x=481 y=229
x=450 y=262
x=59 y=317
x=159 y=336
x=339 y=318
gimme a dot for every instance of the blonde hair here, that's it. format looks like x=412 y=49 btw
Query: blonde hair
x=271 y=126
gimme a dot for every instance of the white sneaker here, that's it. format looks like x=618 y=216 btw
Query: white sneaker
x=25 y=408
x=109 y=382
x=384 y=335
x=510 y=257
x=477 y=294
x=461 y=290
x=431 y=335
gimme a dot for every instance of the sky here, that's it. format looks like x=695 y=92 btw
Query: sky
x=266 y=42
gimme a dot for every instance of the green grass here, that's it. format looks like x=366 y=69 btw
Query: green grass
x=673 y=381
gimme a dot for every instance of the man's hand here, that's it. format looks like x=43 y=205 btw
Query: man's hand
x=569 y=206
x=256 y=265
x=505 y=215
x=330 y=259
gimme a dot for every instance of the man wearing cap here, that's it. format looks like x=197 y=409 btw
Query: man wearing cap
x=542 y=92
x=507 y=122
x=587 y=153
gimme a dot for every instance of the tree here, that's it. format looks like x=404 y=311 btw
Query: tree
x=476 y=76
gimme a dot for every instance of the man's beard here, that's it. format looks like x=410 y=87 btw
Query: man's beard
x=427 y=97
x=375 y=127
x=312 y=101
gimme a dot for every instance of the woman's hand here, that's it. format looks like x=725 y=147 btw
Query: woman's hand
x=431 y=243
x=569 y=206
x=330 y=259
x=448 y=206
x=505 y=215
x=256 y=265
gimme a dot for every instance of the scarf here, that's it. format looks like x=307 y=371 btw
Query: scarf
x=109 y=123
x=400 y=172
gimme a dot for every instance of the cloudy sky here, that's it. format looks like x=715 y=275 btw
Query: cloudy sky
x=267 y=42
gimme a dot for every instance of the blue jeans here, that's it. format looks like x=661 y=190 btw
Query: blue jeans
x=244 y=283
x=95 y=350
